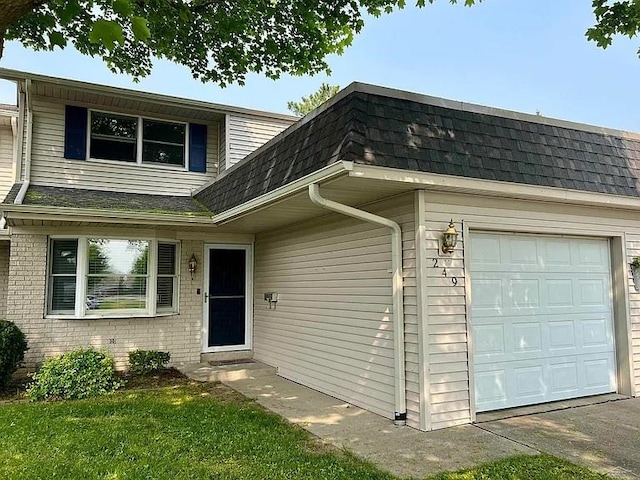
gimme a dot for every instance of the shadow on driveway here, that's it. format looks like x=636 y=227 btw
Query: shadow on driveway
x=604 y=437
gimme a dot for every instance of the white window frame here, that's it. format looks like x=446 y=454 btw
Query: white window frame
x=139 y=133
x=82 y=262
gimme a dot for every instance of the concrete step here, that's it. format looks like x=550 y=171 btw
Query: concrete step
x=226 y=356
x=205 y=372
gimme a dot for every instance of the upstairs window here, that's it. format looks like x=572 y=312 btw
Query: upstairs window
x=92 y=134
x=113 y=137
x=137 y=140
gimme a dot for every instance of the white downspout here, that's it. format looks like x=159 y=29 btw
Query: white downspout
x=398 y=310
x=27 y=154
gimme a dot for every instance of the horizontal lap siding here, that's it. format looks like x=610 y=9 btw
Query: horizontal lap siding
x=6 y=160
x=332 y=327
x=50 y=168
x=247 y=134
x=449 y=376
x=633 y=250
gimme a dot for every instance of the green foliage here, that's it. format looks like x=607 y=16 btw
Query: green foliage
x=13 y=344
x=635 y=263
x=313 y=101
x=148 y=361
x=614 y=18
x=218 y=41
x=81 y=373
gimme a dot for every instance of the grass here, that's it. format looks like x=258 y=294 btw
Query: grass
x=195 y=431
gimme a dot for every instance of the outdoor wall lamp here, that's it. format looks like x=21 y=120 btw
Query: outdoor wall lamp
x=449 y=238
x=193 y=265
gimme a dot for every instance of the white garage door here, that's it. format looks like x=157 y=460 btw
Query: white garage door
x=541 y=317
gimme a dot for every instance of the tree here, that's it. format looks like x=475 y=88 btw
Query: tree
x=306 y=104
x=224 y=40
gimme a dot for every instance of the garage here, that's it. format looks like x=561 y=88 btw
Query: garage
x=541 y=319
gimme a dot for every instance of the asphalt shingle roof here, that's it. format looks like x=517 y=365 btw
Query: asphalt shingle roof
x=101 y=200
x=385 y=131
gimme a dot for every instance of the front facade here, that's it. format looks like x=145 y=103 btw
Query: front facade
x=320 y=252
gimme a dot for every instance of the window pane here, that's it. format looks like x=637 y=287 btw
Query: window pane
x=113 y=125
x=163 y=131
x=118 y=257
x=63 y=294
x=166 y=258
x=64 y=254
x=113 y=150
x=163 y=153
x=165 y=292
x=116 y=292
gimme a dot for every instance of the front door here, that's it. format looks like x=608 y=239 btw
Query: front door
x=227 y=298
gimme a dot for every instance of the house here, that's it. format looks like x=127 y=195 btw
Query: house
x=323 y=252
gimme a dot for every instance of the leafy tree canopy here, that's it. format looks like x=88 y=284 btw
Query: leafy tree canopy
x=307 y=104
x=223 y=40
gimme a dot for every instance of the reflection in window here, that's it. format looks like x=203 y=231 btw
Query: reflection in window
x=117 y=274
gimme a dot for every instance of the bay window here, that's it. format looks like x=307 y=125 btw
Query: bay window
x=96 y=277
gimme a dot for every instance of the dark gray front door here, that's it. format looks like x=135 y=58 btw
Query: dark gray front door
x=227 y=302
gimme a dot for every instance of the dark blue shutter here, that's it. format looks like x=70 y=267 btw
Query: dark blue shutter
x=197 y=148
x=75 y=133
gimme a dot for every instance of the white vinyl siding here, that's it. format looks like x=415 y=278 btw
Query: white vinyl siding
x=246 y=134
x=332 y=327
x=6 y=160
x=633 y=250
x=50 y=168
x=446 y=322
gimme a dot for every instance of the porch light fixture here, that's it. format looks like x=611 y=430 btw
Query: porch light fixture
x=193 y=265
x=449 y=238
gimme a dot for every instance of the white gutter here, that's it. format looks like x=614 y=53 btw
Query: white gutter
x=27 y=154
x=398 y=308
x=35 y=212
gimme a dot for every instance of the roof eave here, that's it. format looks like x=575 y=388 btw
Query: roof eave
x=326 y=173
x=17 y=76
x=41 y=212
x=494 y=188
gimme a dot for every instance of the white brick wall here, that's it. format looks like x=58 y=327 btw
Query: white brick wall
x=178 y=334
x=4 y=274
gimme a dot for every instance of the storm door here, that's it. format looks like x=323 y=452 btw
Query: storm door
x=227 y=298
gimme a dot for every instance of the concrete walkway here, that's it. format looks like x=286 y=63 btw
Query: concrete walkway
x=603 y=437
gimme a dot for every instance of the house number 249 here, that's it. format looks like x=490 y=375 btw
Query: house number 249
x=454 y=280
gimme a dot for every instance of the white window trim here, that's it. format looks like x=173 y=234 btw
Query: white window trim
x=139 y=140
x=80 y=311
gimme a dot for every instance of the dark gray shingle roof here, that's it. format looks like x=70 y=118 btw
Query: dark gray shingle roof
x=13 y=193
x=391 y=132
x=100 y=200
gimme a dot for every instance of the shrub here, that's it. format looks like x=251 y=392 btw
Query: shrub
x=13 y=344
x=78 y=374
x=148 y=361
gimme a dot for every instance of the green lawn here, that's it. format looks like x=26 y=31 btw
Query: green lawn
x=193 y=432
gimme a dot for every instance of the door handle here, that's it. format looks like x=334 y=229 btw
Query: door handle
x=206 y=296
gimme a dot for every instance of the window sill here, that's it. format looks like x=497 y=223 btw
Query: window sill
x=111 y=316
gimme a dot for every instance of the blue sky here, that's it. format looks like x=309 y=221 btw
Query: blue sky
x=523 y=55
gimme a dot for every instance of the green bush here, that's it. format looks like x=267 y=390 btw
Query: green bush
x=78 y=374
x=148 y=361
x=13 y=344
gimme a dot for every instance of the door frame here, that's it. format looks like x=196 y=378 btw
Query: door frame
x=248 y=328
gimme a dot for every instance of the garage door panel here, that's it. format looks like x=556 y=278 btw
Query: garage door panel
x=542 y=324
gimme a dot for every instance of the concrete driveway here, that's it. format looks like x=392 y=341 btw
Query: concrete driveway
x=604 y=437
